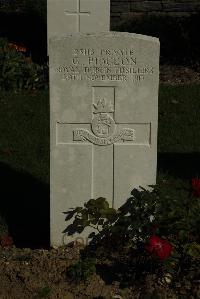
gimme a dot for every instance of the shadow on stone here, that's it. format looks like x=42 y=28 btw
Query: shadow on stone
x=25 y=205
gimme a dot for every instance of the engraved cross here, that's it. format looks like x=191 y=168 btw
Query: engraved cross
x=106 y=138
x=78 y=13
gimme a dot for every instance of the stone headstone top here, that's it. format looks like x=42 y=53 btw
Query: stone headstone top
x=71 y=16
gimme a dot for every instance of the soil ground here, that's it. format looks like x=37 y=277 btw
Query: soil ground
x=26 y=273
x=41 y=273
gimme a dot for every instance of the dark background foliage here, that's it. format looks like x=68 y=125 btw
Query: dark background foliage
x=25 y=21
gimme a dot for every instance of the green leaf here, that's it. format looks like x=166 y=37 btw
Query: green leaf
x=194 y=250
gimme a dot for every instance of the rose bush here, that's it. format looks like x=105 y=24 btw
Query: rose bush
x=17 y=72
x=196 y=187
x=159 y=247
x=157 y=231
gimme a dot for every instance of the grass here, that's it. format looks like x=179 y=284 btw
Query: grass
x=24 y=154
x=179 y=123
x=24 y=122
x=24 y=139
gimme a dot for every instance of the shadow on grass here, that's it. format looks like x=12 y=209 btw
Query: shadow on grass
x=25 y=205
x=180 y=165
x=25 y=200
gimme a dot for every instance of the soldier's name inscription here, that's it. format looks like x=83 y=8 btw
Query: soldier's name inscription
x=104 y=65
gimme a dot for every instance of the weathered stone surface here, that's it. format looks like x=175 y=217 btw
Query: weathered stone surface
x=181 y=6
x=68 y=16
x=146 y=6
x=103 y=99
x=122 y=10
x=173 y=14
x=121 y=6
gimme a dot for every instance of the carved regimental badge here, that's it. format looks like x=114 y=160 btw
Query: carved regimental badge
x=103 y=127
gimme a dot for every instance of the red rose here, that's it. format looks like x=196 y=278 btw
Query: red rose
x=159 y=247
x=196 y=187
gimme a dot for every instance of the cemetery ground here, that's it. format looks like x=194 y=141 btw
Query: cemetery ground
x=29 y=268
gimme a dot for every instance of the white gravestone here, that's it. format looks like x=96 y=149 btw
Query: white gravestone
x=103 y=99
x=71 y=16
